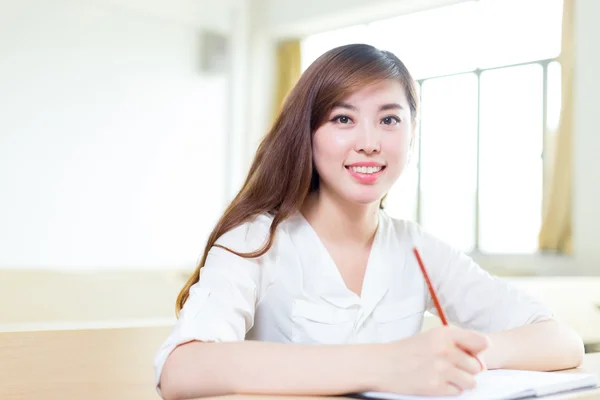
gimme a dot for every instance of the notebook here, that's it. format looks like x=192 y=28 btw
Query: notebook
x=504 y=384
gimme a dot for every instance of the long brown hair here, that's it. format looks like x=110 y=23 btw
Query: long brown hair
x=282 y=173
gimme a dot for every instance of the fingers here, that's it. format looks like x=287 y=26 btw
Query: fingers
x=452 y=390
x=452 y=380
x=470 y=341
x=479 y=359
x=461 y=379
x=465 y=361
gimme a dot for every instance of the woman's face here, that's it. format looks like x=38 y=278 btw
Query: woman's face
x=364 y=146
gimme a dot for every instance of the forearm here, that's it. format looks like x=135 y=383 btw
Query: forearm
x=542 y=346
x=208 y=369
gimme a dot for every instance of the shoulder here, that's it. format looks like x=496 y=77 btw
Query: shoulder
x=439 y=255
x=402 y=229
x=248 y=236
x=411 y=233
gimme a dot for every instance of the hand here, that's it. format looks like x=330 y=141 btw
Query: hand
x=439 y=362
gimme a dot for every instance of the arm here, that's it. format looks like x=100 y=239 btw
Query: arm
x=542 y=346
x=432 y=363
x=209 y=369
x=523 y=333
x=220 y=306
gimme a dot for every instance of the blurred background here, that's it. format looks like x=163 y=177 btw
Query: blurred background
x=126 y=126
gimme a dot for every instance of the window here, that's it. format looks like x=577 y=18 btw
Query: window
x=489 y=96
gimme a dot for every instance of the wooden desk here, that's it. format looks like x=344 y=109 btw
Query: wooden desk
x=115 y=364
x=591 y=364
x=95 y=364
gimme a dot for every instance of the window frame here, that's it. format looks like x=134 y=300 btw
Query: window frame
x=544 y=63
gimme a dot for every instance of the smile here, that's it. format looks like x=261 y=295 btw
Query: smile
x=365 y=174
x=366 y=170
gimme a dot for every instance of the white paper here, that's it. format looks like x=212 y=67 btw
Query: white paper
x=509 y=385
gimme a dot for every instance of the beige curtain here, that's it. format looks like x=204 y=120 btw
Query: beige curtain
x=288 y=71
x=556 y=232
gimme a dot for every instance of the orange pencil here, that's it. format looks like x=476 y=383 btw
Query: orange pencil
x=438 y=306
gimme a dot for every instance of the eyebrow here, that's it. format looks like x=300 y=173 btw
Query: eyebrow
x=391 y=106
x=385 y=107
x=341 y=104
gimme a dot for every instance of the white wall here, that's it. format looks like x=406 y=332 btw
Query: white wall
x=206 y=14
x=586 y=196
x=112 y=141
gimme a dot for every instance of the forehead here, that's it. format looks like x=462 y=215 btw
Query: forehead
x=388 y=91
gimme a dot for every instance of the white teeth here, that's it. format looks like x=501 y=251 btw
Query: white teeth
x=366 y=170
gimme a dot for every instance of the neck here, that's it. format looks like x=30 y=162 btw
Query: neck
x=337 y=220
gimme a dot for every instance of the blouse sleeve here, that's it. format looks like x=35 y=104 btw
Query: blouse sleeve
x=221 y=304
x=470 y=296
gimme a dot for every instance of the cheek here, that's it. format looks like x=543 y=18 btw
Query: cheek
x=397 y=146
x=331 y=146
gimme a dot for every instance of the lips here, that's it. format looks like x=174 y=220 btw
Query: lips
x=365 y=173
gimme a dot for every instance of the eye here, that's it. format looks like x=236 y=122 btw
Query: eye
x=341 y=119
x=391 y=120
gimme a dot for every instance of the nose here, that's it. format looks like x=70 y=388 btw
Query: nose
x=368 y=139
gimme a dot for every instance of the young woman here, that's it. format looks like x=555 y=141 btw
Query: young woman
x=306 y=286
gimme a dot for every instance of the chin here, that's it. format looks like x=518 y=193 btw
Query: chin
x=364 y=198
x=357 y=194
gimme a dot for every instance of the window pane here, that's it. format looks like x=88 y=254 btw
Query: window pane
x=433 y=42
x=516 y=31
x=510 y=166
x=449 y=158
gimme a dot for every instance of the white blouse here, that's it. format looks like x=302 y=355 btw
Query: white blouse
x=295 y=293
